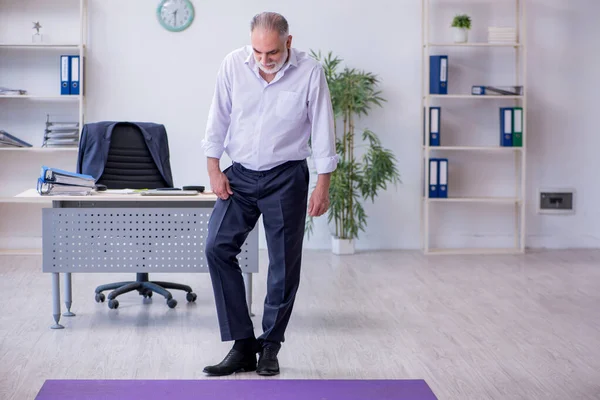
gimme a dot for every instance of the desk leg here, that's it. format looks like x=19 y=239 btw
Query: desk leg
x=248 y=286
x=68 y=295
x=56 y=300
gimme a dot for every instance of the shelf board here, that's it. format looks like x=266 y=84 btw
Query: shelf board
x=40 y=149
x=507 y=200
x=481 y=44
x=476 y=148
x=42 y=97
x=471 y=96
x=40 y=45
x=474 y=251
x=20 y=252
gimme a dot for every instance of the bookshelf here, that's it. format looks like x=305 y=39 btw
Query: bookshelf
x=436 y=17
x=35 y=67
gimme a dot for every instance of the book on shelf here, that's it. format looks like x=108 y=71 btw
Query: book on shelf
x=8 y=140
x=497 y=90
x=502 y=35
x=70 y=75
x=5 y=91
x=433 y=138
x=511 y=126
x=438 y=178
x=438 y=74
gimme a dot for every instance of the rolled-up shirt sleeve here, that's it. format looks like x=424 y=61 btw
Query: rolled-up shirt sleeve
x=320 y=114
x=219 y=115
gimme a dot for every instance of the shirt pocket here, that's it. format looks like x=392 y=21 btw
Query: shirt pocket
x=290 y=106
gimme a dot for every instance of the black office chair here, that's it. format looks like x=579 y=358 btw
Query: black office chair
x=130 y=165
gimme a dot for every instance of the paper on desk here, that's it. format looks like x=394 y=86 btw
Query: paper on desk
x=122 y=191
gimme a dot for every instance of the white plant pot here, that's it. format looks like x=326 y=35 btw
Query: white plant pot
x=342 y=246
x=461 y=35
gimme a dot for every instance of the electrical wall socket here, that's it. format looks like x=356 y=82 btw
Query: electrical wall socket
x=556 y=201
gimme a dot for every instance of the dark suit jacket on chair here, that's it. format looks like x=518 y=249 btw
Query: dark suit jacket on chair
x=95 y=143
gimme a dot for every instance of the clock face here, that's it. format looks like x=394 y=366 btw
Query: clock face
x=175 y=15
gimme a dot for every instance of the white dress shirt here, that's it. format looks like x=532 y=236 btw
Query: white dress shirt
x=261 y=125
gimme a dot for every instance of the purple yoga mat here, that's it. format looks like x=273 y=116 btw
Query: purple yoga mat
x=255 y=389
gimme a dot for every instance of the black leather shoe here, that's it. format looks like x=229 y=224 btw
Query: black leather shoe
x=234 y=361
x=267 y=361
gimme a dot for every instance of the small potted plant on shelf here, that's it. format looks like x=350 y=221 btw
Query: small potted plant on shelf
x=365 y=166
x=461 y=24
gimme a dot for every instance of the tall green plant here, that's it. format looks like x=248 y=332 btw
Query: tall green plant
x=353 y=93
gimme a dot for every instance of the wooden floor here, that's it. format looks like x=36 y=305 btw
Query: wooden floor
x=474 y=327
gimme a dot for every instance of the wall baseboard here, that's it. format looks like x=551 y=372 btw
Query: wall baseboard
x=20 y=243
x=562 y=242
x=456 y=241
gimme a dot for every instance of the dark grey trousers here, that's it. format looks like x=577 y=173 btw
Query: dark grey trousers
x=280 y=196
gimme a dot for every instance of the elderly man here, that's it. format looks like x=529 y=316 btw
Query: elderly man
x=269 y=100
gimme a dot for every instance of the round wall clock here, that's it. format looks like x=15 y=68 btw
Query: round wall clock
x=175 y=15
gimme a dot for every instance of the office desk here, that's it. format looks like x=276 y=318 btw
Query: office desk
x=107 y=232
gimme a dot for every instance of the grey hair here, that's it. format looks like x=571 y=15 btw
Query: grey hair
x=270 y=21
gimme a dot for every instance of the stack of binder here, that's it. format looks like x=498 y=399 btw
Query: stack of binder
x=53 y=181
x=69 y=75
x=438 y=178
x=61 y=134
x=8 y=140
x=511 y=126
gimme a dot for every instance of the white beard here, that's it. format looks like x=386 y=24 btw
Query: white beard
x=276 y=67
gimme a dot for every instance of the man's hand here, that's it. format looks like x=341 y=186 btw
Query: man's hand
x=219 y=183
x=319 y=199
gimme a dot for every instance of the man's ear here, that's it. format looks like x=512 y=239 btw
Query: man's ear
x=289 y=42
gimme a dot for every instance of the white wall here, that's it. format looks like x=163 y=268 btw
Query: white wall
x=138 y=71
x=563 y=118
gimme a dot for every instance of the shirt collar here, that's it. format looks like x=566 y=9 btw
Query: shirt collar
x=250 y=61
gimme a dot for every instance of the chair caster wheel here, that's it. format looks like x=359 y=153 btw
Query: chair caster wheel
x=191 y=296
x=100 y=297
x=147 y=294
x=113 y=304
x=171 y=303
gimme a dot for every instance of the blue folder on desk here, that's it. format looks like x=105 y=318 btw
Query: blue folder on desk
x=62 y=177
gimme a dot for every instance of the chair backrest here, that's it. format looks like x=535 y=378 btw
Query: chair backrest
x=129 y=164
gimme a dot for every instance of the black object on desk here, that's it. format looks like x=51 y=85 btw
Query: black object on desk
x=198 y=188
